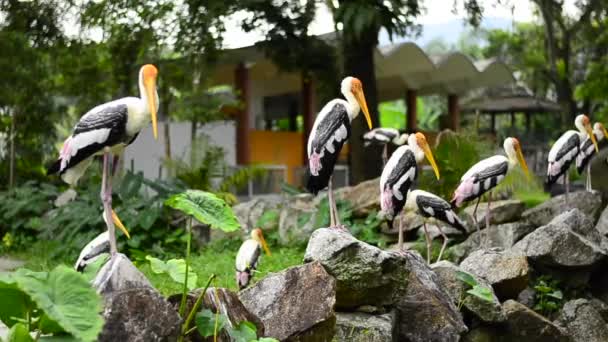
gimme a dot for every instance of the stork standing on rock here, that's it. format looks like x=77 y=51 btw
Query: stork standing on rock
x=105 y=130
x=566 y=149
x=486 y=175
x=247 y=257
x=330 y=131
x=434 y=207
x=399 y=175
x=587 y=151
x=382 y=137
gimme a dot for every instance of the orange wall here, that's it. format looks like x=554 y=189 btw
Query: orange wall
x=277 y=148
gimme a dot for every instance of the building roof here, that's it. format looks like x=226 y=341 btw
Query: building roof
x=509 y=99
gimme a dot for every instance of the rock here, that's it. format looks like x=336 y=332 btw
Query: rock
x=602 y=223
x=588 y=202
x=297 y=220
x=363 y=327
x=249 y=213
x=363 y=197
x=426 y=311
x=502 y=212
x=295 y=304
x=561 y=244
x=502 y=236
x=133 y=309
x=526 y=325
x=526 y=297
x=506 y=271
x=411 y=221
x=489 y=312
x=583 y=322
x=9 y=264
x=365 y=275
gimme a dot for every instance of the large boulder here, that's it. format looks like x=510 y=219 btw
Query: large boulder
x=526 y=325
x=295 y=304
x=562 y=242
x=297 y=220
x=249 y=213
x=365 y=275
x=501 y=212
x=590 y=203
x=506 y=271
x=501 y=236
x=583 y=322
x=365 y=327
x=363 y=197
x=133 y=309
x=489 y=312
x=426 y=311
x=602 y=223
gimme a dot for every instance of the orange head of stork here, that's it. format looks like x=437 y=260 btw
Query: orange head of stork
x=417 y=142
x=352 y=87
x=257 y=235
x=148 y=75
x=513 y=149
x=600 y=128
x=584 y=126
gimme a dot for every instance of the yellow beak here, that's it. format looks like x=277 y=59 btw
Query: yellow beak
x=150 y=85
x=264 y=245
x=119 y=224
x=522 y=161
x=360 y=97
x=592 y=136
x=429 y=156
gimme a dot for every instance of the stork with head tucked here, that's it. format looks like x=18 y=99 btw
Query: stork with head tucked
x=330 y=131
x=486 y=175
x=566 y=149
x=399 y=175
x=434 y=207
x=104 y=130
x=382 y=137
x=247 y=257
x=587 y=151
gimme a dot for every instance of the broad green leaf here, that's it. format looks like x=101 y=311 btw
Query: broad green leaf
x=551 y=305
x=19 y=333
x=244 y=332
x=15 y=303
x=48 y=326
x=482 y=292
x=60 y=338
x=543 y=289
x=175 y=268
x=206 y=208
x=267 y=339
x=205 y=322
x=465 y=277
x=557 y=294
x=158 y=266
x=67 y=298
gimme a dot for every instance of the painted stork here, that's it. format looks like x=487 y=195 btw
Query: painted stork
x=399 y=175
x=104 y=130
x=330 y=131
x=486 y=175
x=382 y=137
x=566 y=149
x=433 y=207
x=587 y=152
x=247 y=257
x=93 y=251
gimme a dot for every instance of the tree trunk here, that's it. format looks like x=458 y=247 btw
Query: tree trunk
x=193 y=127
x=12 y=137
x=365 y=163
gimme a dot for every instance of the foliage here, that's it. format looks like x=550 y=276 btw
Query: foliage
x=57 y=302
x=207 y=208
x=175 y=268
x=209 y=323
x=548 y=298
x=482 y=292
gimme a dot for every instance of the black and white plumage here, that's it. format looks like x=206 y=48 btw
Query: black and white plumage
x=330 y=131
x=95 y=249
x=587 y=152
x=565 y=150
x=434 y=207
x=382 y=136
x=248 y=256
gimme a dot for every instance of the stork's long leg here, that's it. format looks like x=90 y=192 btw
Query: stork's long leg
x=445 y=243
x=567 y=182
x=384 y=155
x=475 y=220
x=330 y=200
x=106 y=198
x=114 y=165
x=400 y=240
x=488 y=212
x=428 y=243
x=589 y=188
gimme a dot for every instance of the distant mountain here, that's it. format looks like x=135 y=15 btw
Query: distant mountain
x=449 y=31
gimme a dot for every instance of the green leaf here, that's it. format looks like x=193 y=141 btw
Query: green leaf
x=48 y=326
x=551 y=305
x=175 y=268
x=244 y=332
x=19 y=333
x=482 y=293
x=205 y=322
x=466 y=278
x=60 y=338
x=15 y=303
x=206 y=208
x=557 y=294
x=543 y=289
x=67 y=298
x=267 y=339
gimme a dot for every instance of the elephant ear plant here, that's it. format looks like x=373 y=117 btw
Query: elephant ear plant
x=208 y=209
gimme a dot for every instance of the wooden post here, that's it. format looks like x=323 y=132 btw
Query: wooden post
x=308 y=110
x=453 y=112
x=412 y=111
x=493 y=123
x=241 y=78
x=527 y=122
x=512 y=120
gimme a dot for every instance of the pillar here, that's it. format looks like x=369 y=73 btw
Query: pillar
x=493 y=123
x=512 y=120
x=412 y=110
x=308 y=110
x=453 y=112
x=241 y=86
x=527 y=122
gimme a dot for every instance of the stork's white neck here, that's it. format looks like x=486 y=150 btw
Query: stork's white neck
x=142 y=90
x=511 y=154
x=413 y=144
x=400 y=139
x=353 y=106
x=581 y=128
